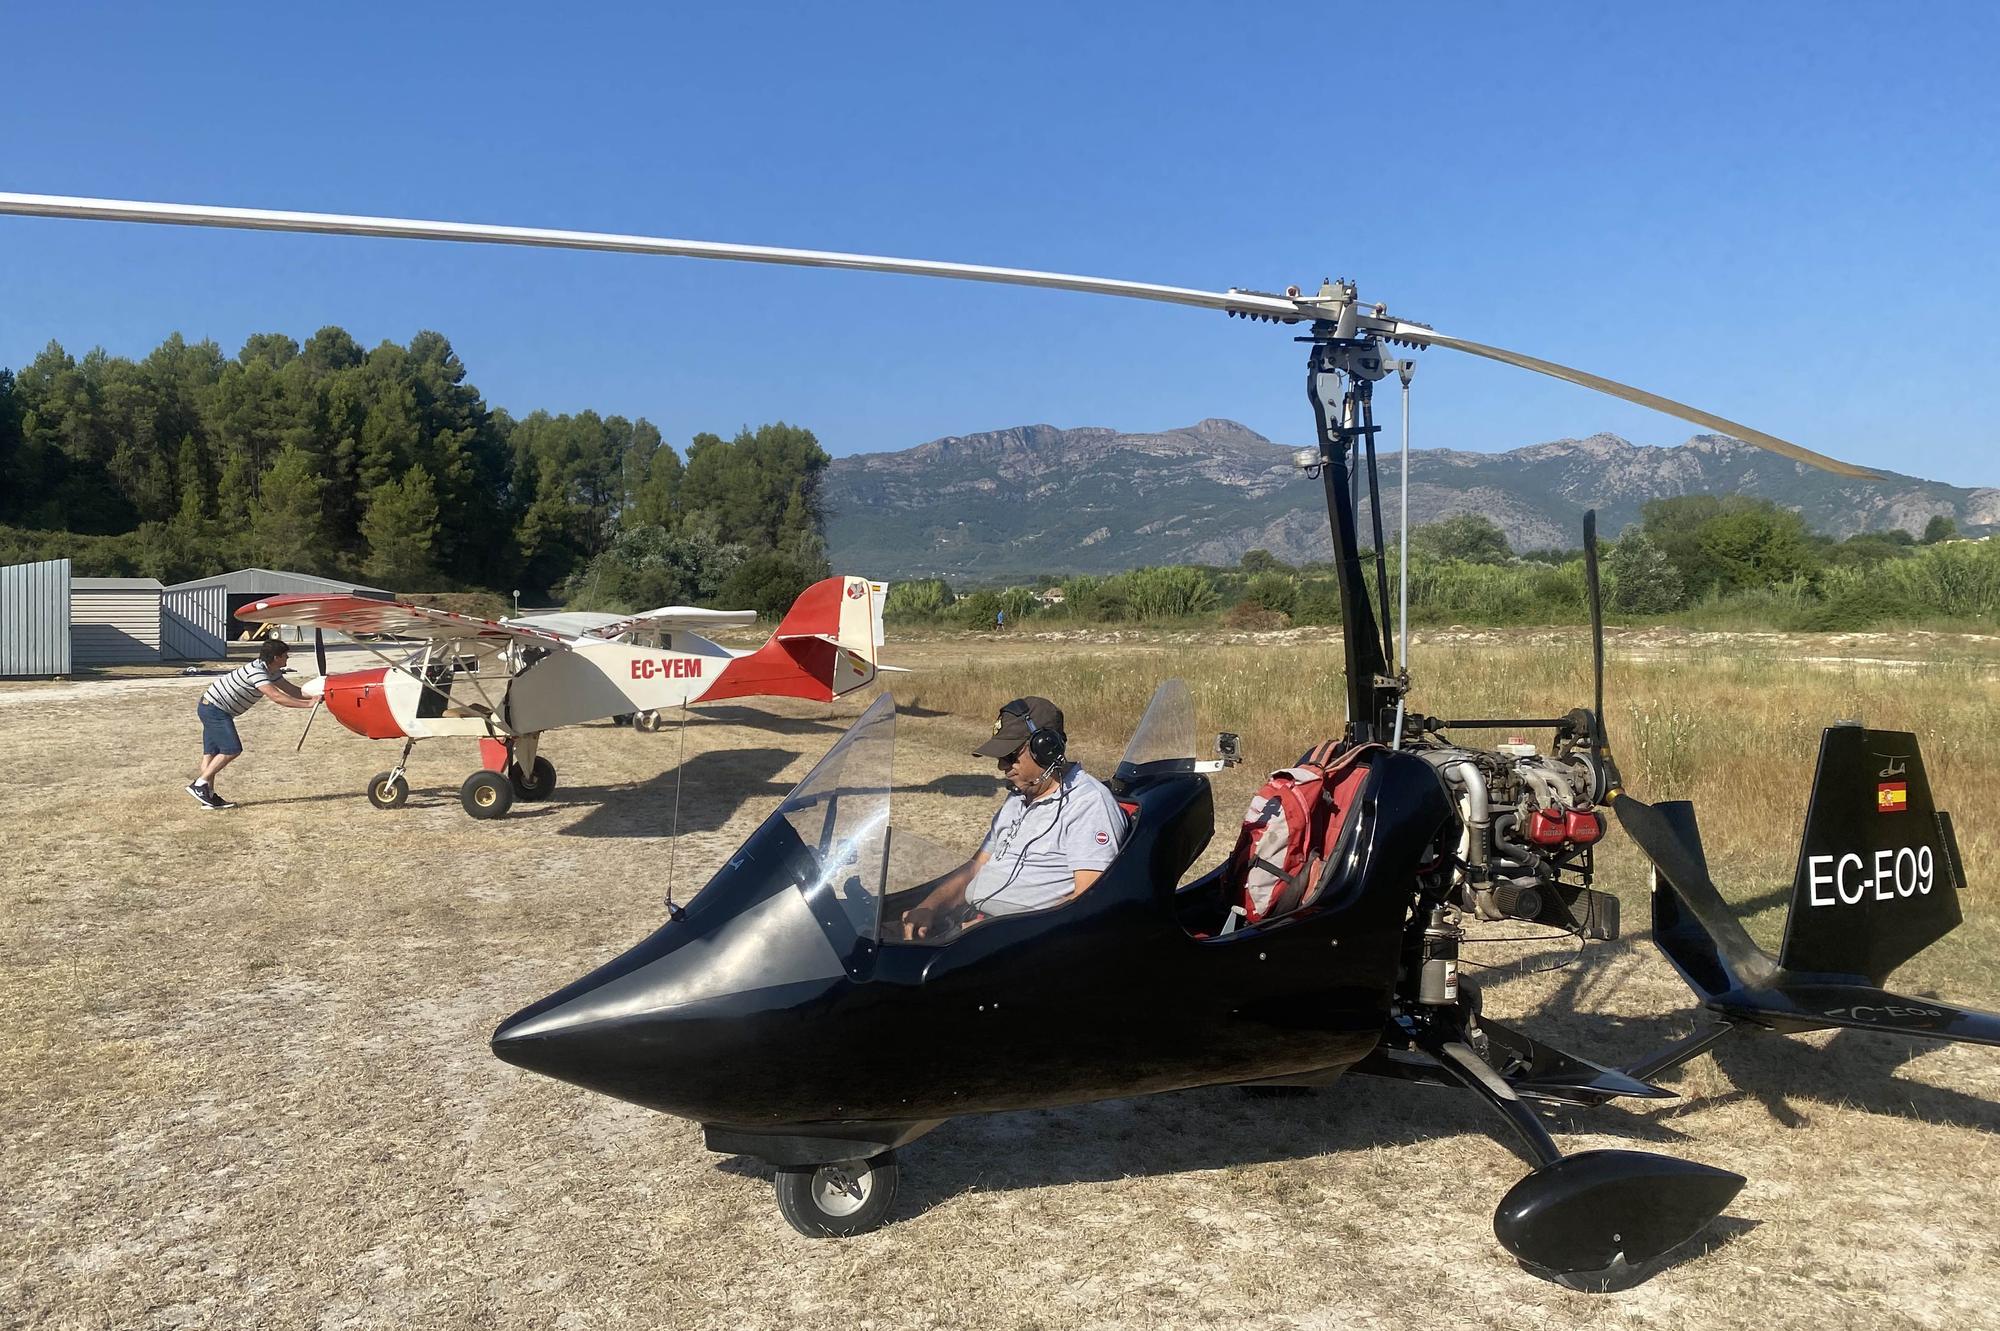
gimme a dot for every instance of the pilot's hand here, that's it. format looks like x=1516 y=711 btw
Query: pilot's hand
x=919 y=922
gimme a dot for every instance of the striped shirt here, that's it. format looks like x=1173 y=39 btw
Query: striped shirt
x=239 y=690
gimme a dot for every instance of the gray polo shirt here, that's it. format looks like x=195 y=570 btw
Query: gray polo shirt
x=1037 y=848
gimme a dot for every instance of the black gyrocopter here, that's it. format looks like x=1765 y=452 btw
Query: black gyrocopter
x=776 y=1008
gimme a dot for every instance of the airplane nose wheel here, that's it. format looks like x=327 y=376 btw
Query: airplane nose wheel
x=838 y=1201
x=388 y=790
x=647 y=723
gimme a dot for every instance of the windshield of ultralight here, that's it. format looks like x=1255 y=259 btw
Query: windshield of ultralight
x=841 y=813
x=1164 y=741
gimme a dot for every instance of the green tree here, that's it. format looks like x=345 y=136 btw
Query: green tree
x=1262 y=561
x=1642 y=580
x=655 y=500
x=768 y=582
x=1169 y=593
x=401 y=530
x=918 y=599
x=1756 y=545
x=650 y=566
x=288 y=523
x=1468 y=537
x=748 y=483
x=1941 y=527
x=1272 y=591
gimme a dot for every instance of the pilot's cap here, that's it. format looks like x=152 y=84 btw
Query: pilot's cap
x=1010 y=732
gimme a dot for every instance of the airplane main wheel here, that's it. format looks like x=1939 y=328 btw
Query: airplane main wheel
x=486 y=795
x=647 y=722
x=538 y=784
x=388 y=790
x=838 y=1201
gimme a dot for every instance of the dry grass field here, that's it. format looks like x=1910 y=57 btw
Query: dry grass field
x=244 y=1079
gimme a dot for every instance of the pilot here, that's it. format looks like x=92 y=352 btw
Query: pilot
x=1055 y=835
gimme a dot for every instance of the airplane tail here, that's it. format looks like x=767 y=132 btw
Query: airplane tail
x=1877 y=882
x=825 y=646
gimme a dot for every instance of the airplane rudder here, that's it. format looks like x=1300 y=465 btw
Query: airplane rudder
x=1878 y=871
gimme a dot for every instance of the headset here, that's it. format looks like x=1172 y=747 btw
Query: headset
x=1046 y=747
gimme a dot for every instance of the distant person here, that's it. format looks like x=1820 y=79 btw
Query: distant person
x=230 y=697
x=1051 y=840
x=999 y=621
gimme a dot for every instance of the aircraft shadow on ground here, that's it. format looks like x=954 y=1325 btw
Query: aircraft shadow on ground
x=713 y=786
x=738 y=715
x=1854 y=1068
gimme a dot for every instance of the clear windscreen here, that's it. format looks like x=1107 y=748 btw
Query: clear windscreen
x=841 y=812
x=1164 y=741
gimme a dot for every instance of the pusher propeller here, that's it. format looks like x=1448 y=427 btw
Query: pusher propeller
x=1335 y=304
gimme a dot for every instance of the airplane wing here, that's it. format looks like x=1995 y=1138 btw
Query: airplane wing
x=394 y=619
x=570 y=623
x=671 y=617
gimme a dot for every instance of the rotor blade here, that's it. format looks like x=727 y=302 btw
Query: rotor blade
x=1329 y=306
x=319 y=653
x=340 y=224
x=1421 y=335
x=309 y=723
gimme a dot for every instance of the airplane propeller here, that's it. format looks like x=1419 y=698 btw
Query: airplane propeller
x=1336 y=305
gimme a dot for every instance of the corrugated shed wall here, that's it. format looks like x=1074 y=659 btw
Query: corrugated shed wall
x=194 y=623
x=34 y=619
x=115 y=627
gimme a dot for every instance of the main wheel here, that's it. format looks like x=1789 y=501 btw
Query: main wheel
x=647 y=722
x=536 y=785
x=388 y=790
x=838 y=1201
x=486 y=795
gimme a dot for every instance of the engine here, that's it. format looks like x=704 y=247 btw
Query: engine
x=1527 y=822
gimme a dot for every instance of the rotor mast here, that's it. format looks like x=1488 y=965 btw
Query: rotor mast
x=1341 y=370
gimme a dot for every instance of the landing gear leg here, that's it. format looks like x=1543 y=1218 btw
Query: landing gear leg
x=390 y=789
x=1589 y=1221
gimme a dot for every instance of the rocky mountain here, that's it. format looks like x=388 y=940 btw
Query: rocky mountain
x=1040 y=499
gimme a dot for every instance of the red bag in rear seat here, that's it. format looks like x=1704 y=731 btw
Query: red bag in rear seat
x=1289 y=829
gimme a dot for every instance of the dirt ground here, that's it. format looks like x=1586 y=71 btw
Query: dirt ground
x=244 y=1082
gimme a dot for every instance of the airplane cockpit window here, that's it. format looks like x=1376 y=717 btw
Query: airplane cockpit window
x=841 y=814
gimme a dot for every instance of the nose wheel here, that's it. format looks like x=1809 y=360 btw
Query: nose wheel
x=388 y=790
x=838 y=1201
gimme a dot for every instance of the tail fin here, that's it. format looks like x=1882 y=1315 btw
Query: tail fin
x=825 y=646
x=1878 y=872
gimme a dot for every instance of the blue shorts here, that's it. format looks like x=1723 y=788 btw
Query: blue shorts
x=218 y=730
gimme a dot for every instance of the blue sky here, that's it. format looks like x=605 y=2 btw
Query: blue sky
x=1785 y=213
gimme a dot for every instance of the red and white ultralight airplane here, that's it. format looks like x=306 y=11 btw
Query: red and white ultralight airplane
x=504 y=682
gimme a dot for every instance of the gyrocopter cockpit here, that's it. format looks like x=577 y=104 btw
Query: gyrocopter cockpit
x=835 y=845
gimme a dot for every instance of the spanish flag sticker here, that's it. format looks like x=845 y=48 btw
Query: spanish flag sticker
x=1892 y=797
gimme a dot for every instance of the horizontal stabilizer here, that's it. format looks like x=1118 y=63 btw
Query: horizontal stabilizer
x=1792 y=1006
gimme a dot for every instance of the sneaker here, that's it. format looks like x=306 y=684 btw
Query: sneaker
x=216 y=801
x=198 y=790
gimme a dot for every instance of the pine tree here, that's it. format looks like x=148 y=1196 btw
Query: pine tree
x=401 y=530
x=288 y=524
